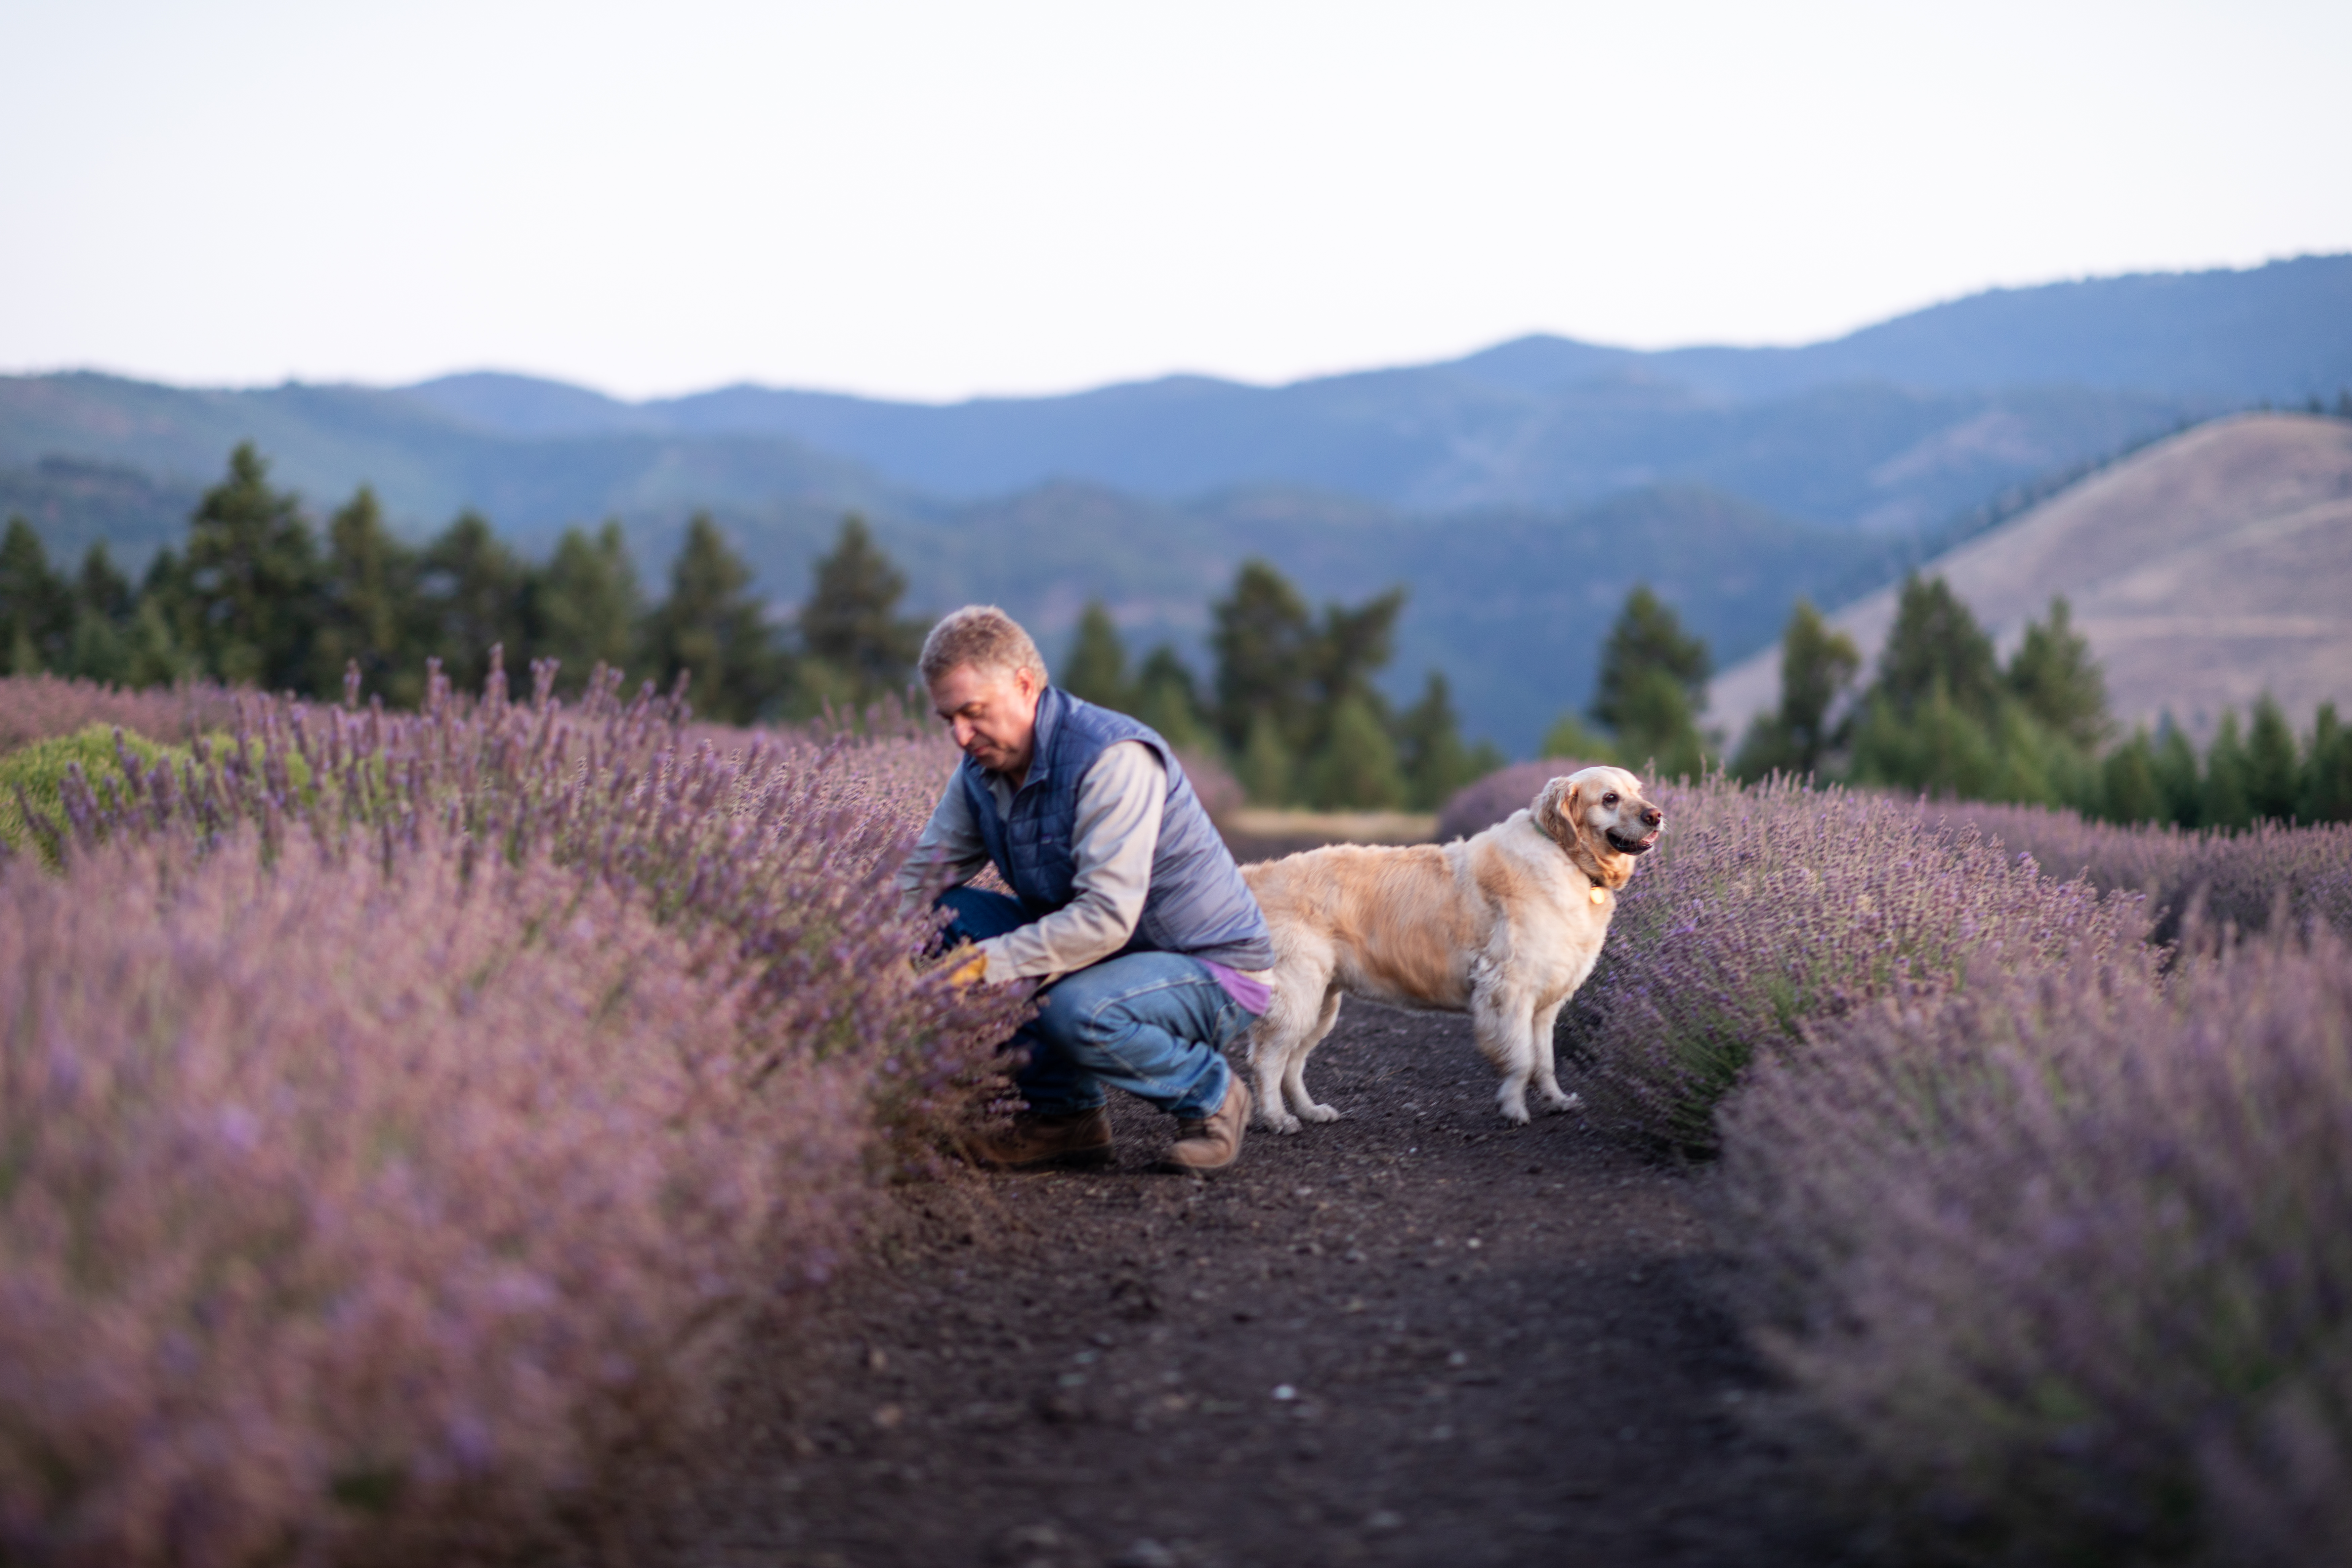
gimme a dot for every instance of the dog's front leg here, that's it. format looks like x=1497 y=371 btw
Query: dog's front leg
x=1540 y=1039
x=1501 y=1026
x=1270 y=1049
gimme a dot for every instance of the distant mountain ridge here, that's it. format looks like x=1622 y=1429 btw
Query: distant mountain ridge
x=1549 y=420
x=1519 y=490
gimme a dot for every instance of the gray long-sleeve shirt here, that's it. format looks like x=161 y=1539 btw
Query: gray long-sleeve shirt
x=1113 y=840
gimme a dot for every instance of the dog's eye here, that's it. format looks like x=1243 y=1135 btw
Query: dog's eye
x=1609 y=799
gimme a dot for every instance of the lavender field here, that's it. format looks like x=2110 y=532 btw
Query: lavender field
x=402 y=1114
x=403 y=1117
x=2041 y=1184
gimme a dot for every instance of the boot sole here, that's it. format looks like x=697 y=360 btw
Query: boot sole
x=1178 y=1168
x=1079 y=1158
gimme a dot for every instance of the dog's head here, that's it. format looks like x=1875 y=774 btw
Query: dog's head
x=1602 y=811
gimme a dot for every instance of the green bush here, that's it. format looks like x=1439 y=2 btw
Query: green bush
x=35 y=774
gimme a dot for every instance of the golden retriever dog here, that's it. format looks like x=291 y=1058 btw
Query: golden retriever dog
x=1503 y=926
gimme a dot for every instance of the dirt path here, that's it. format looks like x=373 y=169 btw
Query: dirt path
x=1408 y=1337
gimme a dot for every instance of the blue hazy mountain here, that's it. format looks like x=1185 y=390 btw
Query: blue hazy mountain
x=1885 y=428
x=1519 y=490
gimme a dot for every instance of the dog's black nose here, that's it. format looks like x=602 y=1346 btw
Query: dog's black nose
x=1652 y=816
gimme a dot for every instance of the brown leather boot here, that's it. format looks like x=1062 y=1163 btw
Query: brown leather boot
x=1214 y=1141
x=1078 y=1138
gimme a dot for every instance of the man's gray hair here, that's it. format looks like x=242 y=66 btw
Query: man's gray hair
x=982 y=637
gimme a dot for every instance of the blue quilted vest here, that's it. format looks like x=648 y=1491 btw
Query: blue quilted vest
x=1198 y=903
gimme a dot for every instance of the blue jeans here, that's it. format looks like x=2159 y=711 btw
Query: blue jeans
x=1154 y=1024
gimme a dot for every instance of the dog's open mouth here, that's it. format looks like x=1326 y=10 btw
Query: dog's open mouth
x=1624 y=846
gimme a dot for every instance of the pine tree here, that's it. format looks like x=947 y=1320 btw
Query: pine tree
x=1350 y=647
x=2054 y=674
x=1939 y=747
x=1661 y=726
x=585 y=604
x=1096 y=670
x=712 y=627
x=1816 y=665
x=103 y=605
x=1569 y=740
x=1647 y=636
x=370 y=612
x=1264 y=639
x=474 y=593
x=36 y=612
x=2129 y=791
x=1169 y=700
x=1265 y=771
x=1356 y=768
x=2326 y=771
x=2273 y=772
x=851 y=622
x=1430 y=749
x=1937 y=643
x=160 y=646
x=2226 y=803
x=252 y=579
x=2178 y=778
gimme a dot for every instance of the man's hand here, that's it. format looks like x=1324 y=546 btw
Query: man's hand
x=965 y=965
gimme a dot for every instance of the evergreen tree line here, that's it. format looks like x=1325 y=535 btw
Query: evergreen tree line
x=1942 y=714
x=260 y=596
x=1291 y=704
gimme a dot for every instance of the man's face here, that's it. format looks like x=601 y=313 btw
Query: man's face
x=993 y=714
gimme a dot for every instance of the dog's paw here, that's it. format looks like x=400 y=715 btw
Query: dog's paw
x=1319 y=1113
x=1517 y=1115
x=1285 y=1122
x=1556 y=1103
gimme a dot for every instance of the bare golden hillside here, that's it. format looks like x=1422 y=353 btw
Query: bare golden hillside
x=2204 y=571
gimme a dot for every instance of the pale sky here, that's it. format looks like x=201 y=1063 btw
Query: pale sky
x=928 y=199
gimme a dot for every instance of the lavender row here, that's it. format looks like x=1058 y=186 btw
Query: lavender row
x=2238 y=878
x=1770 y=908
x=401 y=1110
x=2046 y=1213
x=42 y=707
x=2066 y=1254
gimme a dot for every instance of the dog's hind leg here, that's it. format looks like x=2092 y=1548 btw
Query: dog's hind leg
x=1279 y=1040
x=1547 y=1088
x=1293 y=1075
x=1500 y=1025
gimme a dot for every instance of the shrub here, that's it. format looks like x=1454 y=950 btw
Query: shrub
x=1474 y=807
x=1767 y=908
x=2068 y=1253
x=35 y=774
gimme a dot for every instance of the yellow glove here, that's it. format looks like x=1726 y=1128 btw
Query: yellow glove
x=966 y=967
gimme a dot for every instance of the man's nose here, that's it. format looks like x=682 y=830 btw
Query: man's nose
x=961 y=728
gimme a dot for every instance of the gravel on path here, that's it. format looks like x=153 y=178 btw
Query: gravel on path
x=1411 y=1336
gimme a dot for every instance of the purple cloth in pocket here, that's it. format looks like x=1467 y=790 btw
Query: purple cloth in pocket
x=1253 y=994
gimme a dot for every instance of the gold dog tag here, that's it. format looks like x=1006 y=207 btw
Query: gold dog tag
x=1599 y=897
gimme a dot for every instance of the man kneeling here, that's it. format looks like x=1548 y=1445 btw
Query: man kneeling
x=1127 y=904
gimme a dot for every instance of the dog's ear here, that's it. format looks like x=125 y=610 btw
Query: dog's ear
x=1556 y=808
